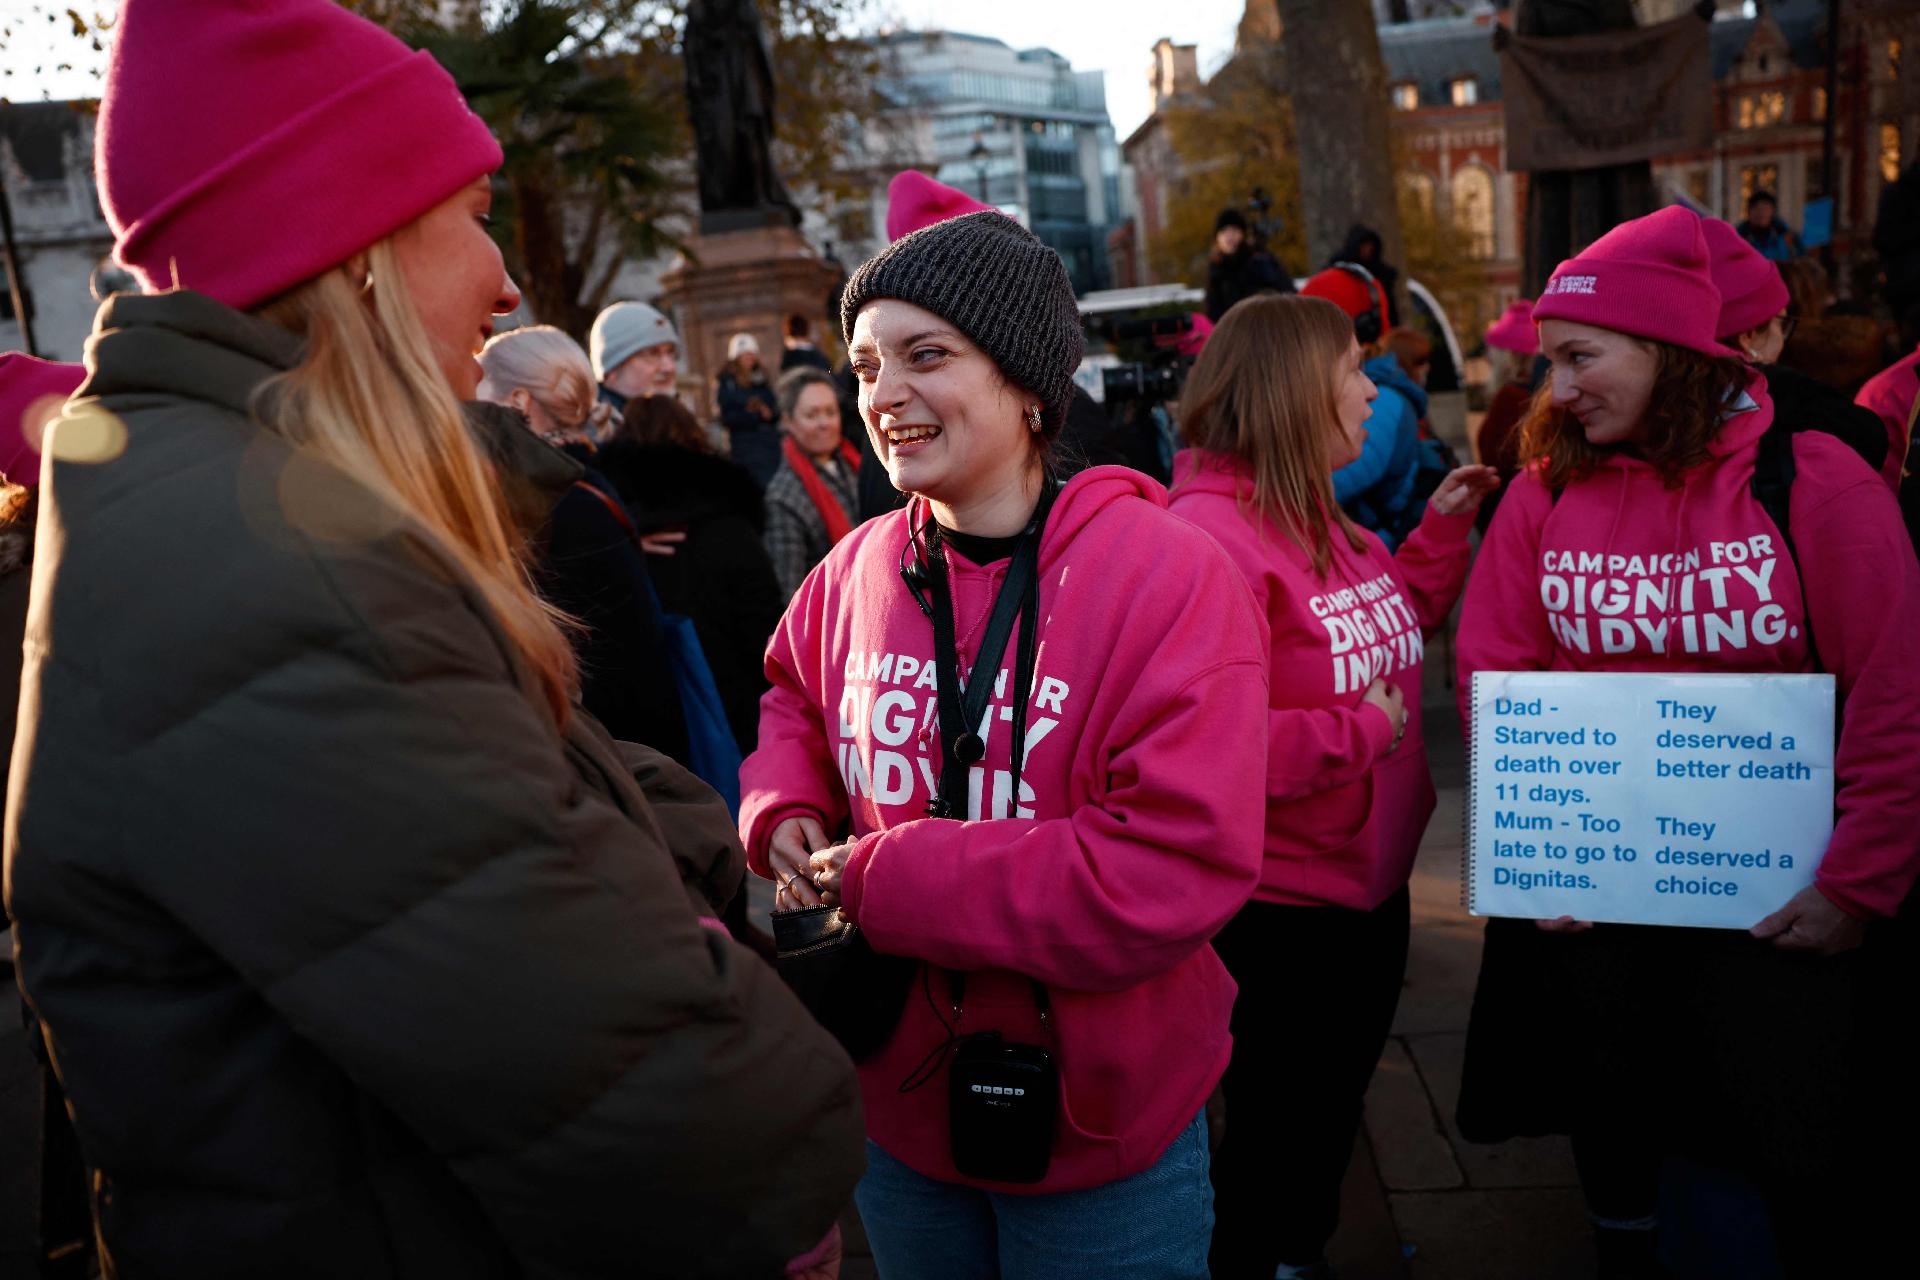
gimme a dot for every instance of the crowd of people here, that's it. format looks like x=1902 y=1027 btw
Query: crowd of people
x=403 y=706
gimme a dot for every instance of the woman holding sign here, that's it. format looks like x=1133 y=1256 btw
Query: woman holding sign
x=1277 y=402
x=1015 y=736
x=1643 y=482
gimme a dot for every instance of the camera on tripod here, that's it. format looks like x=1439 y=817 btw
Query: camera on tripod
x=1261 y=227
x=1155 y=373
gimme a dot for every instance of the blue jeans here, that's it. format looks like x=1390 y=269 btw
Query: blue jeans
x=1153 y=1226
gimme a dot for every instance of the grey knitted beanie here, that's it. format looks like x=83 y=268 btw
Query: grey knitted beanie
x=995 y=281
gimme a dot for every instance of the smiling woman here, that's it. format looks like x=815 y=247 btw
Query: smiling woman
x=1072 y=678
x=945 y=422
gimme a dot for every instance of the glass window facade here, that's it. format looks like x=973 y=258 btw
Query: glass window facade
x=1050 y=154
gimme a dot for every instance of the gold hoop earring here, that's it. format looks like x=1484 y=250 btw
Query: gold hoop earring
x=1033 y=417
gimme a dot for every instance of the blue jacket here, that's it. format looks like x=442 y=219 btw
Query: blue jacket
x=1378 y=485
x=1777 y=242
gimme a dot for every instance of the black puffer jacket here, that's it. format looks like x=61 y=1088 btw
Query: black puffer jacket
x=589 y=566
x=351 y=963
x=1242 y=274
x=720 y=576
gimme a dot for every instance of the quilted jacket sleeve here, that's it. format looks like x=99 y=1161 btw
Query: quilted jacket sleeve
x=366 y=818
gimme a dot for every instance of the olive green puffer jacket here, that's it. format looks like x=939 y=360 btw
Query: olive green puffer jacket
x=351 y=963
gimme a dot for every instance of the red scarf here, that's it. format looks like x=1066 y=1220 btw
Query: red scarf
x=832 y=514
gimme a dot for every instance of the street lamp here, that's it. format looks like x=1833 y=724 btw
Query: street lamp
x=980 y=155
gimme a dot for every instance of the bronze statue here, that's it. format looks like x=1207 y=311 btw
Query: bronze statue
x=730 y=98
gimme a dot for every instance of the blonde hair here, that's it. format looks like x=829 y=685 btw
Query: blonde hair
x=369 y=397
x=549 y=366
x=1265 y=391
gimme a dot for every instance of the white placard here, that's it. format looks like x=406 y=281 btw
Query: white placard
x=1653 y=799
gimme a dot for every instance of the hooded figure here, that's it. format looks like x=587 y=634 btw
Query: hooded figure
x=1363 y=245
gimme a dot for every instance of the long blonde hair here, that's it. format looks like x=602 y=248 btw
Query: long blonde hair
x=550 y=367
x=369 y=397
x=1265 y=391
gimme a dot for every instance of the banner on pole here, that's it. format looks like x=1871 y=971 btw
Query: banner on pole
x=1585 y=102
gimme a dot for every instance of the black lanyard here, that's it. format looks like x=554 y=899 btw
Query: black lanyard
x=962 y=744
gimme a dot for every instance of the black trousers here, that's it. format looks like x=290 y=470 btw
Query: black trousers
x=1318 y=987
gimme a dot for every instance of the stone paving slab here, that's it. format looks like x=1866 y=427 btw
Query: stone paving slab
x=1443 y=959
x=1409 y=1144
x=1367 y=1244
x=1535 y=1234
x=1522 y=1162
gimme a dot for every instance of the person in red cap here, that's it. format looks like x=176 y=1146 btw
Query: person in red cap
x=1512 y=345
x=1655 y=447
x=361 y=948
x=1377 y=489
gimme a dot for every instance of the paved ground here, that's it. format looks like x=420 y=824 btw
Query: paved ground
x=1420 y=1201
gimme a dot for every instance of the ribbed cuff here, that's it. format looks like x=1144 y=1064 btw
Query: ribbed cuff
x=1844 y=900
x=1378 y=728
x=853 y=877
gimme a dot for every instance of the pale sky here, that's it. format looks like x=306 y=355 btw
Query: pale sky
x=1114 y=36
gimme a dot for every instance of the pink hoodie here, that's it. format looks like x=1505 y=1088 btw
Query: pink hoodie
x=1344 y=817
x=1890 y=393
x=1137 y=832
x=1625 y=574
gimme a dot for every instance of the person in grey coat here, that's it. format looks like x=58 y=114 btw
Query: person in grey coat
x=813 y=500
x=360 y=948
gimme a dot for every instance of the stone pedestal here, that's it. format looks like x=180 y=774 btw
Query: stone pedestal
x=750 y=279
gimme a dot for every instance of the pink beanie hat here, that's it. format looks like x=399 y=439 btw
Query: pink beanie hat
x=1751 y=290
x=1648 y=277
x=245 y=146
x=914 y=201
x=1515 y=330
x=32 y=392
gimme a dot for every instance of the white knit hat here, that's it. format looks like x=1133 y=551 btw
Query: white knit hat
x=741 y=344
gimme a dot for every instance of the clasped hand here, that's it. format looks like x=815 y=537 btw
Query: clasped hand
x=806 y=868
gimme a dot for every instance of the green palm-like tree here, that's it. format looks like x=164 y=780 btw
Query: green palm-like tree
x=589 y=135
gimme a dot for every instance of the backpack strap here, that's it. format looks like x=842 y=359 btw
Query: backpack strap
x=1772 y=487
